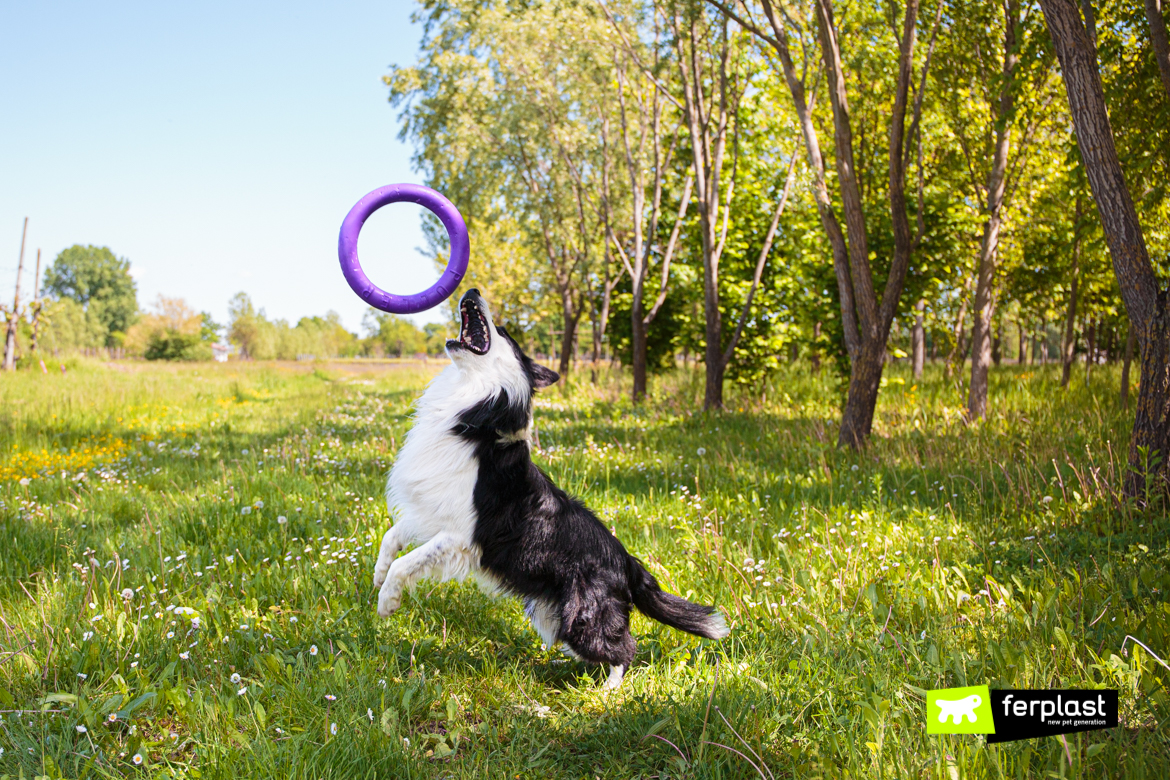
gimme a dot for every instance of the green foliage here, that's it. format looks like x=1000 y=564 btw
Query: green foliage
x=259 y=338
x=389 y=334
x=67 y=326
x=240 y=507
x=93 y=277
x=174 y=345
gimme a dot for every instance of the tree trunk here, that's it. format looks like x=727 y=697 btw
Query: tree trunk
x=1070 y=340
x=1145 y=302
x=1091 y=355
x=1158 y=39
x=1129 y=339
x=958 y=353
x=918 y=340
x=1022 y=354
x=571 y=314
x=14 y=315
x=638 y=341
x=864 y=382
x=814 y=358
x=989 y=246
x=997 y=345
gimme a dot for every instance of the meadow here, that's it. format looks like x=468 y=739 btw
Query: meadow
x=187 y=554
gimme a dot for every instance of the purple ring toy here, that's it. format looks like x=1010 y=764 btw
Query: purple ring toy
x=447 y=214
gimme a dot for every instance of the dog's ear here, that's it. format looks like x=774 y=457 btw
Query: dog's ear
x=543 y=377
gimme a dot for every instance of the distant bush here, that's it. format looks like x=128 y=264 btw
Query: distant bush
x=174 y=331
x=171 y=344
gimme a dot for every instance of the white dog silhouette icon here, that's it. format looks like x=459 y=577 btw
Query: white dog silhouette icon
x=958 y=709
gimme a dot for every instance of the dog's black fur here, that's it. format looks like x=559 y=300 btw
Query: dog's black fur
x=544 y=545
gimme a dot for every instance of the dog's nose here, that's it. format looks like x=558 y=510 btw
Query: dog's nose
x=472 y=293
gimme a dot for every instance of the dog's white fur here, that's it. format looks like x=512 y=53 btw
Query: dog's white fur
x=430 y=486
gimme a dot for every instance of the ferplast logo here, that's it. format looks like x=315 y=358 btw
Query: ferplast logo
x=959 y=711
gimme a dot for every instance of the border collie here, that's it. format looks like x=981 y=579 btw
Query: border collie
x=468 y=494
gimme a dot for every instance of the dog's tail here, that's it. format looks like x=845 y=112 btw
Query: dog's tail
x=668 y=608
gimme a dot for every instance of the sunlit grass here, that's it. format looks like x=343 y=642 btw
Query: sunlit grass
x=198 y=594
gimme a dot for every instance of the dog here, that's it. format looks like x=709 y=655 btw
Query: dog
x=467 y=493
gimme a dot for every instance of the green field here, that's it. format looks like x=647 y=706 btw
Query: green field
x=188 y=582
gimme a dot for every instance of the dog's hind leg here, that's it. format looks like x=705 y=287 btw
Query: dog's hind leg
x=444 y=557
x=392 y=544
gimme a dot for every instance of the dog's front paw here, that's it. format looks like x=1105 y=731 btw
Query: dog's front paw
x=389 y=600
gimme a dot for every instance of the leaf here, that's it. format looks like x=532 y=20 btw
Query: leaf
x=7 y=700
x=390 y=722
x=658 y=727
x=261 y=715
x=1094 y=749
x=129 y=709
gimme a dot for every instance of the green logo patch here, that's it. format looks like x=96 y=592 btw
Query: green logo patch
x=959 y=711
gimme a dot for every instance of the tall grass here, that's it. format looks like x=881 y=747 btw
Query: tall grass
x=230 y=524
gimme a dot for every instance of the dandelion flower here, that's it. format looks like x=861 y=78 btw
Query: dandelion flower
x=127 y=594
x=293 y=619
x=701 y=451
x=282 y=520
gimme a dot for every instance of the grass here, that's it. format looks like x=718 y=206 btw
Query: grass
x=187 y=583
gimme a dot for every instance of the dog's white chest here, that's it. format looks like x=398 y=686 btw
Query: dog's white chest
x=430 y=488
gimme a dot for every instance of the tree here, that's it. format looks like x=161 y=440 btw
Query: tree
x=172 y=331
x=245 y=326
x=506 y=105
x=393 y=335
x=995 y=63
x=866 y=321
x=1146 y=302
x=709 y=73
x=100 y=282
x=651 y=130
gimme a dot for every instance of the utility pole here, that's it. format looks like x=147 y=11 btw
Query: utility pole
x=36 y=305
x=14 y=315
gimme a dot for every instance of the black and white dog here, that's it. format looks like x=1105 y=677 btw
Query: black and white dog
x=468 y=494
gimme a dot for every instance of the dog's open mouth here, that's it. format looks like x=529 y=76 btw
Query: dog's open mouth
x=474 y=334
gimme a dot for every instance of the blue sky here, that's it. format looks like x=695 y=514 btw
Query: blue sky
x=215 y=145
